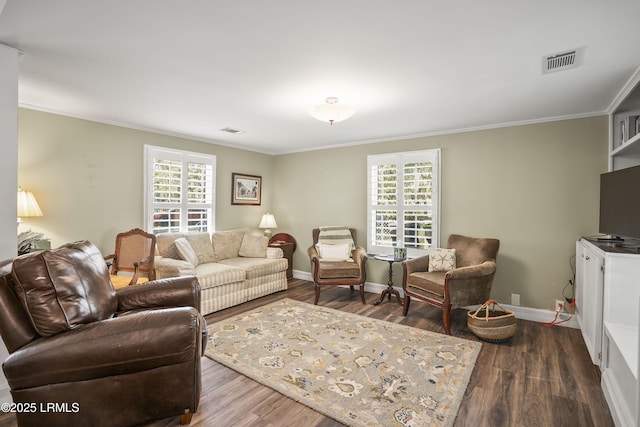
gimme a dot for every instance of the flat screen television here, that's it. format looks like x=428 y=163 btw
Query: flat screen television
x=620 y=203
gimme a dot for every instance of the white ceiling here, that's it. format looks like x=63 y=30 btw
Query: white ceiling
x=408 y=67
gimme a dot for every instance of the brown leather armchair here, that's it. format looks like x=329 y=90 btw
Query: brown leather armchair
x=468 y=284
x=98 y=356
x=332 y=273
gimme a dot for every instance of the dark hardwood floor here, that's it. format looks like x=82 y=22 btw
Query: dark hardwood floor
x=542 y=377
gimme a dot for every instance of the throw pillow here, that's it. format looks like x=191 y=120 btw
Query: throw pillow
x=254 y=246
x=226 y=244
x=201 y=244
x=186 y=251
x=63 y=288
x=442 y=259
x=334 y=252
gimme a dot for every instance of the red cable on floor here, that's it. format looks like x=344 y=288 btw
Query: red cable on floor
x=555 y=319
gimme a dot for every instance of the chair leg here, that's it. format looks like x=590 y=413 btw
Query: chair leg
x=317 y=294
x=407 y=301
x=185 y=419
x=446 y=319
x=362 y=294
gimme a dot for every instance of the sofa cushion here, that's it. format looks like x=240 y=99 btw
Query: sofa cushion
x=63 y=288
x=253 y=246
x=216 y=274
x=199 y=241
x=226 y=244
x=256 y=267
x=185 y=251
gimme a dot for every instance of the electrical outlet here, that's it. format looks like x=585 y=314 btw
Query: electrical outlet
x=559 y=305
x=515 y=299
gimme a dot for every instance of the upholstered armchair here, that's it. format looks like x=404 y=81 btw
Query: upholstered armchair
x=464 y=280
x=337 y=266
x=100 y=356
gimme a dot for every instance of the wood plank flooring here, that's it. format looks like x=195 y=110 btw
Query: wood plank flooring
x=542 y=377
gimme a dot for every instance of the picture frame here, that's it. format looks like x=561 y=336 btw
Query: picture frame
x=246 y=189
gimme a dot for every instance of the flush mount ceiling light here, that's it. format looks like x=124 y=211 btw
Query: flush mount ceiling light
x=331 y=111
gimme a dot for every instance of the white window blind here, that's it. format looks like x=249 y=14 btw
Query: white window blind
x=403 y=201
x=179 y=190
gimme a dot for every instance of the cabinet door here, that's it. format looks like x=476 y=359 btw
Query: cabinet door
x=589 y=294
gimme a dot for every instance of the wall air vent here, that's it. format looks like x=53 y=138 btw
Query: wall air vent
x=561 y=61
x=232 y=131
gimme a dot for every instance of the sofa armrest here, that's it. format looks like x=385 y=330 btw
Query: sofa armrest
x=172 y=292
x=274 y=253
x=169 y=267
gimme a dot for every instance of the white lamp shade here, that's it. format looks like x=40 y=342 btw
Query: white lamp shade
x=27 y=205
x=331 y=111
x=268 y=221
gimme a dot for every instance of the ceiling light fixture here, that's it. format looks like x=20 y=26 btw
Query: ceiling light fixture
x=331 y=111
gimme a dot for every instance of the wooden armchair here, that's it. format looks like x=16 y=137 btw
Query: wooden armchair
x=134 y=253
x=336 y=272
x=468 y=283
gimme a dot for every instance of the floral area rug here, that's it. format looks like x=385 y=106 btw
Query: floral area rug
x=357 y=370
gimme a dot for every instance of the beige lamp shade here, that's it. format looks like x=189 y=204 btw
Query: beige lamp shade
x=27 y=204
x=268 y=222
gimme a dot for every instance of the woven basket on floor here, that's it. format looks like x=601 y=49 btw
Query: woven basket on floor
x=491 y=324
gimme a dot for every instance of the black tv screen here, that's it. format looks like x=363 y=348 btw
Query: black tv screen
x=620 y=202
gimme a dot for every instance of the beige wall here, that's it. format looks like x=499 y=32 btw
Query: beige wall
x=534 y=187
x=88 y=177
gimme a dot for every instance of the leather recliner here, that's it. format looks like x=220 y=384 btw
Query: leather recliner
x=82 y=353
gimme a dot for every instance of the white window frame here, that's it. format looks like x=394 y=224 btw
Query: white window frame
x=401 y=158
x=150 y=154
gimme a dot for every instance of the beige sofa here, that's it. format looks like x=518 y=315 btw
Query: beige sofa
x=232 y=266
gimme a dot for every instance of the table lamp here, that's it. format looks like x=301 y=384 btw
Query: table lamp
x=268 y=222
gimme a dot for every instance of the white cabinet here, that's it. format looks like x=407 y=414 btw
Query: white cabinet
x=614 y=280
x=589 y=295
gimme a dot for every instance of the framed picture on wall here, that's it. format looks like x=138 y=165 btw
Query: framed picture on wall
x=246 y=189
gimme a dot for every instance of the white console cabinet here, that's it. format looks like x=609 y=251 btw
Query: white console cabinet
x=607 y=295
x=589 y=296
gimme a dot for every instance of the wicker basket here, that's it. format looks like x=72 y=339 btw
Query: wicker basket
x=490 y=324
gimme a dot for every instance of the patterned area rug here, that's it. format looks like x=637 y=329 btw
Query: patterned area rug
x=354 y=369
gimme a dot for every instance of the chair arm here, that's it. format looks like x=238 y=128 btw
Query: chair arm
x=415 y=264
x=314 y=256
x=147 y=260
x=169 y=267
x=109 y=259
x=485 y=269
x=128 y=344
x=359 y=255
x=171 y=292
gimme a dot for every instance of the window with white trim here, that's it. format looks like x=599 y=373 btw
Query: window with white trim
x=179 y=190
x=403 y=199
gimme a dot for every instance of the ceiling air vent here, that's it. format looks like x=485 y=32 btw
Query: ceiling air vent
x=232 y=131
x=561 y=61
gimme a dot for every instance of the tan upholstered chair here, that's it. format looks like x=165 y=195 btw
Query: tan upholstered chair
x=468 y=284
x=332 y=273
x=135 y=253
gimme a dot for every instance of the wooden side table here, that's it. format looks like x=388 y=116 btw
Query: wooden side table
x=288 y=244
x=390 y=290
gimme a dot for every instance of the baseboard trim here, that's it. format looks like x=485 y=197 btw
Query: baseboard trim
x=524 y=313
